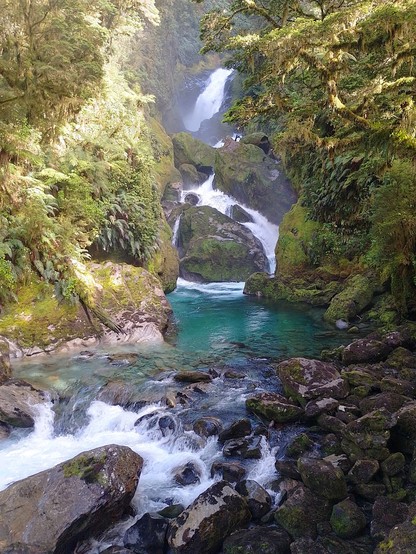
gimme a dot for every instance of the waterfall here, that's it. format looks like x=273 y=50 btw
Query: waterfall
x=209 y=101
x=175 y=231
x=266 y=232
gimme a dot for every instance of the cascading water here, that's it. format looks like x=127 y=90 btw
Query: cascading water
x=261 y=228
x=209 y=101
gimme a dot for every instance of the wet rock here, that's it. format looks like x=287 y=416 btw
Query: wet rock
x=123 y=358
x=192 y=198
x=260 y=540
x=229 y=471
x=302 y=511
x=357 y=377
x=400 y=540
x=147 y=535
x=363 y=471
x=365 y=351
x=118 y=393
x=238 y=429
x=4 y=431
x=5 y=367
x=323 y=478
x=314 y=408
x=187 y=474
x=192 y=377
x=167 y=425
x=240 y=214
x=347 y=520
x=355 y=296
x=370 y=491
x=258 y=499
x=246 y=447
x=213 y=247
x=53 y=509
x=170 y=512
x=274 y=406
x=386 y=514
x=190 y=175
x=331 y=423
x=207 y=426
x=340 y=461
x=305 y=380
x=214 y=515
x=18 y=400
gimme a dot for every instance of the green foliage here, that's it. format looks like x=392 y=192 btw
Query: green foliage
x=335 y=83
x=75 y=158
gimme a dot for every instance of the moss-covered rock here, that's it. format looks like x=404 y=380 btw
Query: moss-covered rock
x=305 y=379
x=5 y=368
x=190 y=150
x=213 y=247
x=347 y=520
x=274 y=407
x=323 y=478
x=164 y=264
x=246 y=173
x=352 y=300
x=17 y=403
x=266 y=540
x=128 y=305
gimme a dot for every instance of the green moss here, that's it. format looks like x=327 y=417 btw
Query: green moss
x=37 y=318
x=87 y=468
x=353 y=299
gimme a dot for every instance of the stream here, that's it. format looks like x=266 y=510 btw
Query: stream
x=218 y=329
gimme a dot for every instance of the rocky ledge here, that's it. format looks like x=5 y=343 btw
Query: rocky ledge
x=129 y=306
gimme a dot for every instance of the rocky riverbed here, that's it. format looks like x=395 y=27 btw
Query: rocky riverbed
x=344 y=482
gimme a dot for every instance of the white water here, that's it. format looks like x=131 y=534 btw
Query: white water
x=175 y=231
x=209 y=101
x=266 y=232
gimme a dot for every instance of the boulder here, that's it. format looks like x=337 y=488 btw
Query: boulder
x=192 y=151
x=260 y=540
x=228 y=471
x=191 y=175
x=367 y=437
x=207 y=426
x=365 y=351
x=5 y=367
x=347 y=520
x=54 y=509
x=245 y=173
x=356 y=295
x=258 y=499
x=404 y=434
x=323 y=478
x=18 y=403
x=274 y=406
x=305 y=379
x=204 y=525
x=246 y=447
x=302 y=511
x=391 y=401
x=363 y=471
x=387 y=513
x=237 y=429
x=213 y=247
x=187 y=474
x=148 y=534
x=314 y=408
x=400 y=540
x=298 y=445
x=240 y=214
x=192 y=377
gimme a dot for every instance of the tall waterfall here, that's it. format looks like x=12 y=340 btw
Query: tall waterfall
x=209 y=101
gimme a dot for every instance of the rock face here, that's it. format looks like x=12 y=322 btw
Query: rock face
x=52 y=510
x=305 y=379
x=130 y=306
x=246 y=173
x=353 y=299
x=213 y=247
x=18 y=401
x=208 y=520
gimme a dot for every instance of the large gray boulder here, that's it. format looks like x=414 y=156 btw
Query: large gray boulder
x=51 y=511
x=305 y=379
x=214 y=515
x=213 y=247
x=18 y=401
